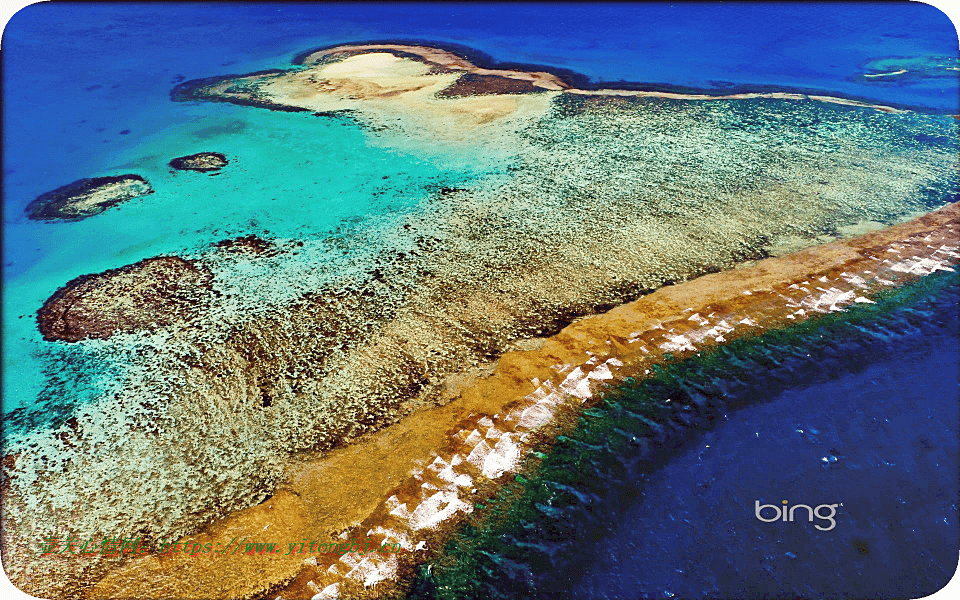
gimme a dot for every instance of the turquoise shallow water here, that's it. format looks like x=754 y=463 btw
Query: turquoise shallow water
x=291 y=176
x=106 y=110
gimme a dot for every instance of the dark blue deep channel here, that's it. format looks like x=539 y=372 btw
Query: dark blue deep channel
x=881 y=443
x=654 y=493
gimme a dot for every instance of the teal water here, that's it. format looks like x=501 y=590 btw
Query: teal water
x=291 y=176
x=87 y=93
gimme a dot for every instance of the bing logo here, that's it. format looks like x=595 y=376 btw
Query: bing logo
x=786 y=513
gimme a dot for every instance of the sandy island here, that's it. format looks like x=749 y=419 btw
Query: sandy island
x=338 y=78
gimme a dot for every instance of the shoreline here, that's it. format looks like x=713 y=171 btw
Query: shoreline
x=629 y=440
x=575 y=82
x=457 y=58
x=419 y=475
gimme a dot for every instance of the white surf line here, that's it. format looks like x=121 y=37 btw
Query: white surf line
x=900 y=72
x=494 y=445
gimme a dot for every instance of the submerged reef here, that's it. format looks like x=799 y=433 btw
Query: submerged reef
x=138 y=297
x=901 y=68
x=587 y=200
x=201 y=161
x=248 y=244
x=194 y=90
x=87 y=197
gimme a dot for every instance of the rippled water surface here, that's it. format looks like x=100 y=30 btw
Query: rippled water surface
x=881 y=443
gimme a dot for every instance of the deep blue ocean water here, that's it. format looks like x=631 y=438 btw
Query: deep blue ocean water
x=881 y=443
x=875 y=435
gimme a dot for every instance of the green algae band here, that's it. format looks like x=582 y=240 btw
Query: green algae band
x=87 y=197
x=542 y=524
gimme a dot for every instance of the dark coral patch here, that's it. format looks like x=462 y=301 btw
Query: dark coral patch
x=248 y=244
x=201 y=161
x=139 y=297
x=87 y=197
x=471 y=84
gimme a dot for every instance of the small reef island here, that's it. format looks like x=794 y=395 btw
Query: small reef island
x=623 y=229
x=201 y=161
x=87 y=197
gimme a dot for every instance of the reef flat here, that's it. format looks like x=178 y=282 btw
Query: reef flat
x=365 y=348
x=335 y=78
x=87 y=197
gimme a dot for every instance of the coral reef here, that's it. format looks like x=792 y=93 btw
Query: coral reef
x=201 y=161
x=138 y=297
x=470 y=84
x=427 y=472
x=594 y=200
x=87 y=197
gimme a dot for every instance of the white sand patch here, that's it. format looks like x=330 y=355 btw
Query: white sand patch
x=375 y=64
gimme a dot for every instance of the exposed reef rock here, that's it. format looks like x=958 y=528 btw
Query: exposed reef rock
x=201 y=161
x=87 y=197
x=199 y=89
x=384 y=83
x=153 y=292
x=248 y=244
x=471 y=84
x=370 y=76
x=447 y=58
x=573 y=203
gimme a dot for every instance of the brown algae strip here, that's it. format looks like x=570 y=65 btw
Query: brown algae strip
x=409 y=481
